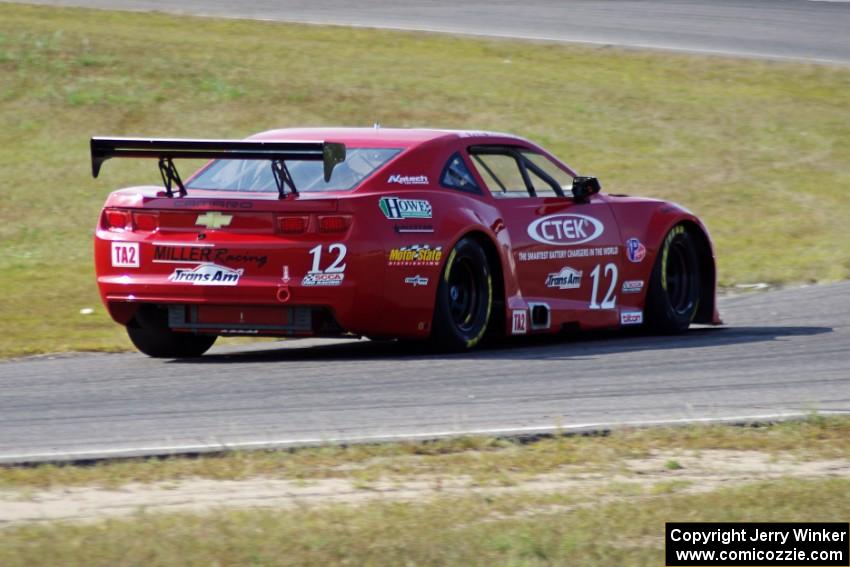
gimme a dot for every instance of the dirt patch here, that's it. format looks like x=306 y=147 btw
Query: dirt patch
x=682 y=471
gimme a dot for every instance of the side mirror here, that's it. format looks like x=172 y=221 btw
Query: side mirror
x=584 y=187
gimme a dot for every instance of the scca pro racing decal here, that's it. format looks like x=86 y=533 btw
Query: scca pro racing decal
x=567 y=278
x=333 y=274
x=567 y=229
x=125 y=254
x=415 y=255
x=396 y=208
x=207 y=274
x=635 y=250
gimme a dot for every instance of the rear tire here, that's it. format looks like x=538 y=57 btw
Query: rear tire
x=464 y=298
x=674 y=288
x=150 y=333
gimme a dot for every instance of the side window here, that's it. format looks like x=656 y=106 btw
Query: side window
x=457 y=176
x=502 y=174
x=517 y=172
x=557 y=174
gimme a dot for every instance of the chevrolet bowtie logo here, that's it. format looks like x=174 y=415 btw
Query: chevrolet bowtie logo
x=213 y=220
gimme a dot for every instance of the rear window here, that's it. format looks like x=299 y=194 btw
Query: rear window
x=308 y=176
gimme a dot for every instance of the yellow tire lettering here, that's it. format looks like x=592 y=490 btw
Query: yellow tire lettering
x=449 y=263
x=475 y=340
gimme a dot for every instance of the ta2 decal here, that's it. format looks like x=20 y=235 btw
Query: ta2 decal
x=125 y=254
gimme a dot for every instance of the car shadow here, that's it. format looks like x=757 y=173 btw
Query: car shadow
x=560 y=346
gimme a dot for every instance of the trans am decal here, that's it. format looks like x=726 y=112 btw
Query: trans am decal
x=396 y=208
x=207 y=274
x=567 y=229
x=567 y=278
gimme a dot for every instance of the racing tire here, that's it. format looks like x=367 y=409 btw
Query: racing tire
x=464 y=298
x=150 y=334
x=672 y=300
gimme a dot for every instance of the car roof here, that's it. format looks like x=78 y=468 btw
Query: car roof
x=382 y=137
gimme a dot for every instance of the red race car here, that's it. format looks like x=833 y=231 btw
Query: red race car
x=387 y=233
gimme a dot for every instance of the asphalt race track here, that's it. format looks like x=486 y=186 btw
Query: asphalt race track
x=797 y=29
x=782 y=353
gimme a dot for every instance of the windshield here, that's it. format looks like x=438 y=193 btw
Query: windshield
x=257 y=175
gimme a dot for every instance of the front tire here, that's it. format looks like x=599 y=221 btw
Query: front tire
x=150 y=333
x=674 y=289
x=464 y=298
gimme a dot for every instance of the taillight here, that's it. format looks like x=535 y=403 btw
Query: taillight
x=334 y=223
x=146 y=221
x=117 y=219
x=292 y=224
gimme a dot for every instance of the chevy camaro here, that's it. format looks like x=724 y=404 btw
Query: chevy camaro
x=387 y=233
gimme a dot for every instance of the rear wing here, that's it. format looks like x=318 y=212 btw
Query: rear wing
x=166 y=150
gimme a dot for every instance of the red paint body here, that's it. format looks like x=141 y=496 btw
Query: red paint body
x=382 y=294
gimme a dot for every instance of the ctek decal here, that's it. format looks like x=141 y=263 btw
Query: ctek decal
x=519 y=322
x=631 y=317
x=635 y=250
x=213 y=219
x=175 y=254
x=322 y=279
x=408 y=179
x=567 y=278
x=396 y=208
x=567 y=229
x=207 y=274
x=416 y=280
x=415 y=255
x=125 y=254
x=632 y=286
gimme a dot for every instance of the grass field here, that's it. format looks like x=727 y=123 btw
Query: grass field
x=607 y=511
x=758 y=149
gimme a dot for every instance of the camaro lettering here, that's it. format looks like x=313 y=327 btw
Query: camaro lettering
x=207 y=274
x=566 y=229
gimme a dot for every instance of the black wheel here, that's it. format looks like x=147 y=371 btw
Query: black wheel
x=674 y=289
x=150 y=333
x=464 y=298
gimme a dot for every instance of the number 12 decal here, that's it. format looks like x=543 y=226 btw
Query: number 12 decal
x=336 y=266
x=610 y=300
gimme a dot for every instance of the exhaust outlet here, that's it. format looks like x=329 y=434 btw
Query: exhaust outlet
x=283 y=294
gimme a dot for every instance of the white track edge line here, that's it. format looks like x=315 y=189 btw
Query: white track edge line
x=169 y=450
